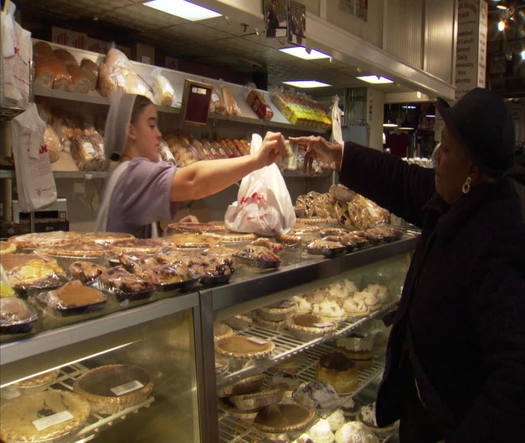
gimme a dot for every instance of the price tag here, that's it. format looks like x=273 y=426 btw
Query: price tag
x=126 y=387
x=259 y=341
x=323 y=325
x=45 y=422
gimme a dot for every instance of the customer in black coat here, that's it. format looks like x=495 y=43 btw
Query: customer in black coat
x=455 y=367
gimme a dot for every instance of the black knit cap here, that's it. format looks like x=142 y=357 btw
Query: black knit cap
x=482 y=122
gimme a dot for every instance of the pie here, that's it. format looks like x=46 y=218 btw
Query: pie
x=239 y=321
x=6 y=247
x=112 y=388
x=242 y=347
x=190 y=240
x=37 y=239
x=309 y=326
x=283 y=418
x=221 y=330
x=234 y=237
x=121 y=282
x=275 y=325
x=74 y=249
x=36 y=274
x=315 y=221
x=17 y=417
x=38 y=380
x=16 y=315
x=74 y=295
x=259 y=398
x=325 y=247
x=258 y=256
x=245 y=386
x=278 y=311
x=262 y=241
x=339 y=371
x=142 y=245
x=10 y=261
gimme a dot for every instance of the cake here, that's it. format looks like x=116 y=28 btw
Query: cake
x=27 y=418
x=316 y=395
x=283 y=418
x=321 y=432
x=336 y=419
x=112 y=388
x=350 y=408
x=338 y=371
x=354 y=432
x=367 y=416
x=329 y=310
x=356 y=347
x=241 y=347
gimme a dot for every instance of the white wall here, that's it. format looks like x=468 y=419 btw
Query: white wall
x=375 y=111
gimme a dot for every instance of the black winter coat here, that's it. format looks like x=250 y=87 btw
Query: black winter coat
x=461 y=318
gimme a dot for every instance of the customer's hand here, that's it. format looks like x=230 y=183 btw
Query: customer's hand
x=318 y=148
x=272 y=149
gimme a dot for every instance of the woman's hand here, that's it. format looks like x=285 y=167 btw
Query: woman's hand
x=272 y=149
x=317 y=148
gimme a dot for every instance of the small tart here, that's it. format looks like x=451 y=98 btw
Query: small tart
x=283 y=418
x=99 y=387
x=241 y=347
x=239 y=321
x=221 y=330
x=7 y=247
x=276 y=325
x=17 y=416
x=308 y=326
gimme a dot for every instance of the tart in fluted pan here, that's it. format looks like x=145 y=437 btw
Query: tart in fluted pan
x=241 y=347
x=43 y=416
x=114 y=387
x=283 y=418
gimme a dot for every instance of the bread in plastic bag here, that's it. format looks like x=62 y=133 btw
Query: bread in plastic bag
x=163 y=92
x=88 y=151
x=263 y=203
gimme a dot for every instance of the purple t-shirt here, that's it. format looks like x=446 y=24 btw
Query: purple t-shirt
x=141 y=196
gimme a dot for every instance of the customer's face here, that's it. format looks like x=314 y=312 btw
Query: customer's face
x=453 y=166
x=146 y=133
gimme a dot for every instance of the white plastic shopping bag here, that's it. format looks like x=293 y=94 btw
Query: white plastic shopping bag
x=16 y=56
x=263 y=203
x=34 y=178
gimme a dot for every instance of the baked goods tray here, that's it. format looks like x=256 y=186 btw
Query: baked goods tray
x=287 y=345
x=232 y=429
x=65 y=380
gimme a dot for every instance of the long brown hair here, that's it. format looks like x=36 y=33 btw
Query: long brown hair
x=140 y=103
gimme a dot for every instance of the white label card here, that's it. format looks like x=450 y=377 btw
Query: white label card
x=323 y=325
x=126 y=387
x=286 y=304
x=259 y=341
x=45 y=422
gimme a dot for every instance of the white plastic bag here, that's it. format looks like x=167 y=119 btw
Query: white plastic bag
x=16 y=56
x=263 y=203
x=163 y=92
x=34 y=177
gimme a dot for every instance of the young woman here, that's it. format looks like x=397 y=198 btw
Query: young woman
x=455 y=365
x=143 y=189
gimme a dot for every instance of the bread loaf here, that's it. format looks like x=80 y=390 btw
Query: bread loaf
x=163 y=92
x=79 y=81
x=42 y=49
x=52 y=143
x=65 y=56
x=90 y=69
x=229 y=101
x=44 y=73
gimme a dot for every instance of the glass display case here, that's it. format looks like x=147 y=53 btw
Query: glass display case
x=129 y=376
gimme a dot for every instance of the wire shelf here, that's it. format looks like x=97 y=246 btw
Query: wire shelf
x=287 y=345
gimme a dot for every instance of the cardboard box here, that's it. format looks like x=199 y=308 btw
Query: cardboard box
x=67 y=37
x=143 y=53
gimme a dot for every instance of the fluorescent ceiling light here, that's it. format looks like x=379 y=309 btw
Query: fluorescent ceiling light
x=375 y=79
x=301 y=52
x=183 y=8
x=307 y=84
x=430 y=115
x=389 y=125
x=502 y=6
x=523 y=54
x=409 y=106
x=405 y=128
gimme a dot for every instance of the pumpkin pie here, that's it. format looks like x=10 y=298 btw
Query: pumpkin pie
x=43 y=416
x=112 y=388
x=221 y=330
x=241 y=347
x=283 y=418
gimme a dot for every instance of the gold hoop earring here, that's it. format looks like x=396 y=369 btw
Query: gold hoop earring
x=466 y=186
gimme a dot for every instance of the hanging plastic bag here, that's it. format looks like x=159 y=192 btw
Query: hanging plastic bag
x=16 y=56
x=163 y=92
x=34 y=177
x=263 y=203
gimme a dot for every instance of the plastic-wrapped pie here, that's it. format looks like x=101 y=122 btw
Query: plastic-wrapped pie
x=16 y=316
x=325 y=247
x=6 y=291
x=44 y=416
x=74 y=249
x=73 y=297
x=262 y=241
x=168 y=276
x=36 y=239
x=35 y=384
x=7 y=247
x=138 y=261
x=241 y=347
x=86 y=272
x=137 y=245
x=124 y=284
x=28 y=271
x=112 y=388
x=258 y=256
